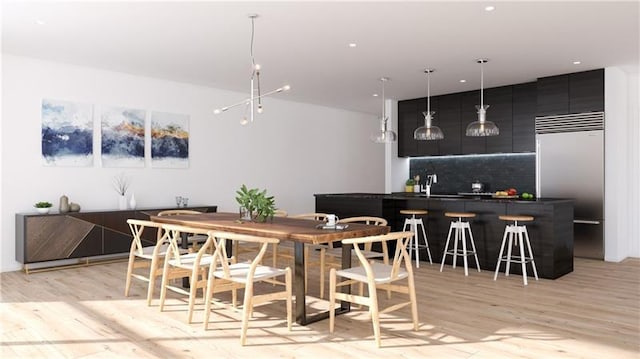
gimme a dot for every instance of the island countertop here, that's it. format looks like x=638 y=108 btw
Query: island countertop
x=551 y=232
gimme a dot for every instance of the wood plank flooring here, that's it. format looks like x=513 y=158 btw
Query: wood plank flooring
x=593 y=312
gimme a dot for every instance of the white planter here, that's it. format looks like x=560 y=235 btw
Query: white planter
x=122 y=202
x=43 y=210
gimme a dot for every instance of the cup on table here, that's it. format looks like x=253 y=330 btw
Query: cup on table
x=332 y=219
x=178 y=201
x=185 y=201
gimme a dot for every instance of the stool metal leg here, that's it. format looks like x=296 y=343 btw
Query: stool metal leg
x=416 y=249
x=504 y=241
x=455 y=244
x=464 y=251
x=446 y=247
x=523 y=259
x=473 y=245
x=533 y=262
x=506 y=272
x=426 y=242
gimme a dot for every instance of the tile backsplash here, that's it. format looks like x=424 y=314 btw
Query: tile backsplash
x=496 y=172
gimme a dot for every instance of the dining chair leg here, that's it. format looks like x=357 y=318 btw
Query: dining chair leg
x=193 y=289
x=322 y=269
x=163 y=287
x=332 y=299
x=153 y=274
x=207 y=302
x=289 y=288
x=246 y=312
x=132 y=259
x=373 y=311
x=414 y=301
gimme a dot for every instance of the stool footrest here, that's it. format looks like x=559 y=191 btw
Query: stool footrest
x=459 y=253
x=517 y=259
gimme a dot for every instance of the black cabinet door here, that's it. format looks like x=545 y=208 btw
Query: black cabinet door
x=500 y=112
x=448 y=118
x=468 y=114
x=407 y=123
x=553 y=95
x=524 y=117
x=430 y=147
x=586 y=91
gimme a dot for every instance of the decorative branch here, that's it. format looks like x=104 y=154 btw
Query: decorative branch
x=121 y=184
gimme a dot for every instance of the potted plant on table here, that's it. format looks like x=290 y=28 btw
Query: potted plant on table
x=43 y=207
x=254 y=204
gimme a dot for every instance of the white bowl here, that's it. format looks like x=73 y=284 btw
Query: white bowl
x=43 y=210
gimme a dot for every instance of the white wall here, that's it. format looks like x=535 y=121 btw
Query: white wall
x=622 y=160
x=293 y=150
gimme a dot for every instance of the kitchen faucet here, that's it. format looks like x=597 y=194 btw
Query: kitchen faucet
x=431 y=179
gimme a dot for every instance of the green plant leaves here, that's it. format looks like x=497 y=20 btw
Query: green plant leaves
x=258 y=203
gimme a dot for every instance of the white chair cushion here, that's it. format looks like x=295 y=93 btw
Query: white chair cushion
x=187 y=260
x=147 y=252
x=337 y=252
x=239 y=271
x=381 y=273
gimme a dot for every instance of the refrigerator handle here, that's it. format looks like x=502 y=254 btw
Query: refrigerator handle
x=582 y=221
x=538 y=194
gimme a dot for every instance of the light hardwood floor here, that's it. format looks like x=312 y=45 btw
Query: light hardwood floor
x=593 y=312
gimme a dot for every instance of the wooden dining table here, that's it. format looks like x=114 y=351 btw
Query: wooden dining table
x=299 y=231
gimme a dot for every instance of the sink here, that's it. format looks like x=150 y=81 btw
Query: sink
x=443 y=196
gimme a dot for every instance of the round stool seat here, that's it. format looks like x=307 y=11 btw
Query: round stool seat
x=460 y=214
x=414 y=211
x=516 y=218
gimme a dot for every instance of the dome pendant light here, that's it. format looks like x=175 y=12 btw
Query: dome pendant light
x=384 y=135
x=482 y=127
x=428 y=131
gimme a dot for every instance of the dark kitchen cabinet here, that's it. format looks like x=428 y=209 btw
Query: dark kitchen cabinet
x=586 y=91
x=571 y=93
x=524 y=115
x=553 y=95
x=408 y=119
x=468 y=114
x=448 y=119
x=500 y=111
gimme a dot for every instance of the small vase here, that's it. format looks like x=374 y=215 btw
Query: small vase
x=122 y=202
x=416 y=188
x=132 y=202
x=64 y=204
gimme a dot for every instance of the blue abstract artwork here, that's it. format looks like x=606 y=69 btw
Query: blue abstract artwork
x=122 y=137
x=67 y=133
x=169 y=140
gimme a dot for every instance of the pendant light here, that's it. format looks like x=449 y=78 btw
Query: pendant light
x=428 y=131
x=482 y=127
x=255 y=96
x=384 y=135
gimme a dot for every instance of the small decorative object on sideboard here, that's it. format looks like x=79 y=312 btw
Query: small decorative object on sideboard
x=43 y=207
x=74 y=207
x=64 y=204
x=416 y=185
x=121 y=184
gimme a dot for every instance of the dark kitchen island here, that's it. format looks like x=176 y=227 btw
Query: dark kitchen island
x=551 y=232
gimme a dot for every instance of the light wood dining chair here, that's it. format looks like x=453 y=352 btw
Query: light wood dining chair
x=377 y=276
x=194 y=240
x=178 y=265
x=331 y=257
x=145 y=257
x=241 y=248
x=225 y=276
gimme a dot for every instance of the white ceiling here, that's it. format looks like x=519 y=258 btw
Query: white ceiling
x=305 y=44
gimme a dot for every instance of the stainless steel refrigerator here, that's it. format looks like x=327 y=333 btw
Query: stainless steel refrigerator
x=570 y=164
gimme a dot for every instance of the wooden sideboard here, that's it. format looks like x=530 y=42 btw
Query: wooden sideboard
x=76 y=235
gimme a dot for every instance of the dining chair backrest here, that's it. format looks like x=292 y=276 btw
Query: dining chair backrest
x=376 y=221
x=313 y=216
x=137 y=227
x=221 y=259
x=177 y=212
x=400 y=257
x=174 y=233
x=280 y=213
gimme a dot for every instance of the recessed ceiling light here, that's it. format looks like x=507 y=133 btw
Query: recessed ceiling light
x=352 y=44
x=463 y=81
x=489 y=8
x=39 y=22
x=375 y=95
x=577 y=62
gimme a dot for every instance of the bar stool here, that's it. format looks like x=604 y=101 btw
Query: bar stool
x=413 y=224
x=516 y=234
x=459 y=226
